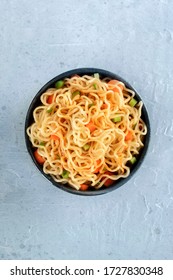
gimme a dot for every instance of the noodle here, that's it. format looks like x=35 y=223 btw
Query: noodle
x=87 y=131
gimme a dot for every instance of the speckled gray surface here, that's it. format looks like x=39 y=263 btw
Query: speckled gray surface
x=39 y=40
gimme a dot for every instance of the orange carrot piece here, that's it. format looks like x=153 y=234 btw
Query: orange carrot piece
x=54 y=137
x=129 y=136
x=50 y=99
x=38 y=157
x=117 y=83
x=83 y=187
x=104 y=106
x=91 y=126
x=109 y=181
x=99 y=167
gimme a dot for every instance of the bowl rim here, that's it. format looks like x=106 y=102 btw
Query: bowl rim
x=87 y=71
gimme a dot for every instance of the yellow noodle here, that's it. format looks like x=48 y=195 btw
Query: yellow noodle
x=67 y=117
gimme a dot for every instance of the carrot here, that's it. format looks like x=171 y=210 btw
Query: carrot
x=129 y=136
x=83 y=187
x=104 y=106
x=38 y=157
x=109 y=181
x=50 y=99
x=117 y=83
x=99 y=167
x=54 y=137
x=91 y=126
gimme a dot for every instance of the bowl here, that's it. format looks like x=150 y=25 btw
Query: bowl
x=36 y=102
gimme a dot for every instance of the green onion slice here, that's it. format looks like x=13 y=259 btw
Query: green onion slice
x=59 y=84
x=90 y=105
x=65 y=174
x=49 y=110
x=95 y=86
x=133 y=102
x=75 y=93
x=86 y=147
x=116 y=119
x=97 y=76
x=133 y=160
x=42 y=143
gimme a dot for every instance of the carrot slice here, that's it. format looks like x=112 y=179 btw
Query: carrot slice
x=83 y=187
x=99 y=167
x=104 y=106
x=38 y=157
x=129 y=136
x=50 y=99
x=91 y=126
x=117 y=83
x=109 y=181
x=54 y=137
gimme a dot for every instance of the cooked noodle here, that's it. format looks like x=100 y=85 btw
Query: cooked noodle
x=87 y=156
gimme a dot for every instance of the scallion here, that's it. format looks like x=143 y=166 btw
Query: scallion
x=133 y=102
x=116 y=119
x=86 y=147
x=59 y=84
x=65 y=174
x=97 y=76
x=42 y=143
x=133 y=160
x=94 y=86
x=75 y=93
x=49 y=110
x=90 y=105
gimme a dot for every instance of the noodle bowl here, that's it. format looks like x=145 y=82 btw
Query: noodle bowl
x=87 y=131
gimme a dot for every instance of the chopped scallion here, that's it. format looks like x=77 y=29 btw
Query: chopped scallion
x=59 y=84
x=133 y=160
x=116 y=119
x=65 y=174
x=133 y=102
x=90 y=105
x=86 y=147
x=75 y=93
x=49 y=110
x=97 y=76
x=95 y=86
x=42 y=143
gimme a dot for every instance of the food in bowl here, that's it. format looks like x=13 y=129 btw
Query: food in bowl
x=87 y=131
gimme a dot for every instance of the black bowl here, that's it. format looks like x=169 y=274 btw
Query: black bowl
x=36 y=102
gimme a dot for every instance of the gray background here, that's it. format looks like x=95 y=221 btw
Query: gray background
x=39 y=40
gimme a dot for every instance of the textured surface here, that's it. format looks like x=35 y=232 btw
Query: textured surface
x=40 y=39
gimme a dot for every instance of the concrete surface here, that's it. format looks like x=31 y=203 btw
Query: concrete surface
x=40 y=39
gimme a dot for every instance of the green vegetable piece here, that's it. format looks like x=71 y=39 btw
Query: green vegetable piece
x=97 y=76
x=90 y=105
x=50 y=110
x=133 y=102
x=133 y=160
x=42 y=143
x=65 y=174
x=59 y=84
x=75 y=93
x=95 y=86
x=116 y=119
x=86 y=147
